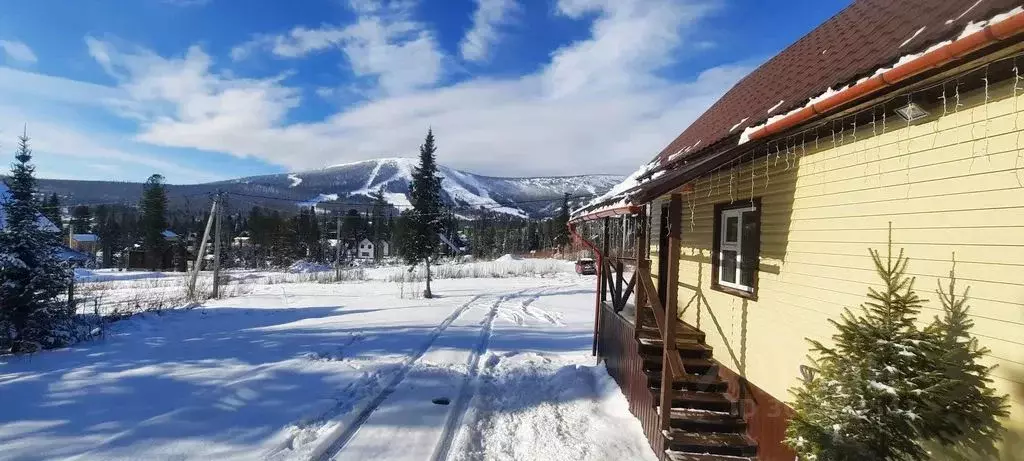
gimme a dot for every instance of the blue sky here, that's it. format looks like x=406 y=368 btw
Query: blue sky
x=201 y=90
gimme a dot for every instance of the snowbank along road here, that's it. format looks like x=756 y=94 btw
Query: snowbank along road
x=493 y=369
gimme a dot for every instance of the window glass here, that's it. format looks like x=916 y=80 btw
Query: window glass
x=731 y=228
x=728 y=266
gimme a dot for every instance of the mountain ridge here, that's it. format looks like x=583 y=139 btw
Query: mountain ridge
x=352 y=183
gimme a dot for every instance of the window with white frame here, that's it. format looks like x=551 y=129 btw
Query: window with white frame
x=737 y=244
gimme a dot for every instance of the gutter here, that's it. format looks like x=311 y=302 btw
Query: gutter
x=991 y=33
x=609 y=212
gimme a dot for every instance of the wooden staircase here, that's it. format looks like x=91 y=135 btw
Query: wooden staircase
x=705 y=424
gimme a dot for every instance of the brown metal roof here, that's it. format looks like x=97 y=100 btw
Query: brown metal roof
x=865 y=36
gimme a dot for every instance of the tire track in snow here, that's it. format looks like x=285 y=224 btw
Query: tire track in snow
x=471 y=382
x=349 y=421
x=334 y=443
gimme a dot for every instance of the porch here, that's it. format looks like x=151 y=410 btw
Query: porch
x=714 y=414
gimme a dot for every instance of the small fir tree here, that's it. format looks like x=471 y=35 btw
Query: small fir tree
x=888 y=388
x=870 y=389
x=154 y=220
x=31 y=277
x=425 y=217
x=968 y=413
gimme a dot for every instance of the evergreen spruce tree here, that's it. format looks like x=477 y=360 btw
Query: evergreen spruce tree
x=562 y=223
x=31 y=276
x=81 y=220
x=887 y=388
x=154 y=220
x=869 y=391
x=968 y=413
x=378 y=212
x=425 y=218
x=51 y=209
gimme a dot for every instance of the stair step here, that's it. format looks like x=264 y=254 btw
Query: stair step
x=686 y=348
x=681 y=456
x=706 y=383
x=706 y=421
x=683 y=332
x=712 y=401
x=712 y=443
x=693 y=366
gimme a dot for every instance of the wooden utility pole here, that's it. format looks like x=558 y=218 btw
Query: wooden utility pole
x=202 y=250
x=337 y=251
x=216 y=247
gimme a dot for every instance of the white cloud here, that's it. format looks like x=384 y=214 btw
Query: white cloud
x=490 y=14
x=599 y=105
x=384 y=44
x=18 y=51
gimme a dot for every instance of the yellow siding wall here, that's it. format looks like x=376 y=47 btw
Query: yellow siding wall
x=947 y=184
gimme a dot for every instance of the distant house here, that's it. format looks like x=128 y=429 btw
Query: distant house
x=137 y=255
x=383 y=249
x=365 y=249
x=84 y=243
x=41 y=220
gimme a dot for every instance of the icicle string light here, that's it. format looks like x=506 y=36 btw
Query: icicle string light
x=909 y=140
x=952 y=105
x=988 y=155
x=752 y=173
x=1016 y=127
x=787 y=157
x=732 y=179
x=884 y=126
x=768 y=154
x=693 y=203
x=874 y=135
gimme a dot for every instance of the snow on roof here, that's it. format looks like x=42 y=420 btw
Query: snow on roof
x=85 y=237
x=866 y=35
x=41 y=221
x=616 y=196
x=970 y=28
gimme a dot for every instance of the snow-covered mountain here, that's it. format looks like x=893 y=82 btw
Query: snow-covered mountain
x=352 y=183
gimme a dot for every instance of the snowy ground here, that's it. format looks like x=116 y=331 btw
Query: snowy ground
x=296 y=371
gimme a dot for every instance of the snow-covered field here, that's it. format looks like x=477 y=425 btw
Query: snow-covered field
x=295 y=371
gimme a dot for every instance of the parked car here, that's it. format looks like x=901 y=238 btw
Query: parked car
x=586 y=266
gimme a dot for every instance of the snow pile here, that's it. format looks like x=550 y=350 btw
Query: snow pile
x=304 y=267
x=484 y=269
x=506 y=257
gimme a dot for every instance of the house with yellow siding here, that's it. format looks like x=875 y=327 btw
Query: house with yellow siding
x=892 y=120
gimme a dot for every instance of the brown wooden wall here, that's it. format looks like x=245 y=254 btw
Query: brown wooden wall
x=766 y=416
x=618 y=347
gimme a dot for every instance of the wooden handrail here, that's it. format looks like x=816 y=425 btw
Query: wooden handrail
x=674 y=361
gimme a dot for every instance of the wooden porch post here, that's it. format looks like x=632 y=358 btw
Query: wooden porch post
x=675 y=211
x=643 y=266
x=604 y=257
